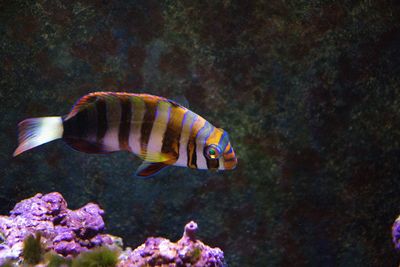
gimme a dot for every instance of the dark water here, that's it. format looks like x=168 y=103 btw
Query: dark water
x=308 y=91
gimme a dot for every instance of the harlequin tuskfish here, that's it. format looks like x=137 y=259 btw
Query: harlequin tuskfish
x=158 y=130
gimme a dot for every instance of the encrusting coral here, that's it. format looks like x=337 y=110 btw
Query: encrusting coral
x=42 y=231
x=396 y=233
x=188 y=251
x=67 y=232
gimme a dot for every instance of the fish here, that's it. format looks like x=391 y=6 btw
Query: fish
x=160 y=131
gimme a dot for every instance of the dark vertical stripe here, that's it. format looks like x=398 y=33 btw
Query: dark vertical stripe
x=147 y=123
x=212 y=164
x=92 y=123
x=199 y=139
x=191 y=146
x=173 y=132
x=102 y=125
x=138 y=110
x=192 y=155
x=82 y=123
x=125 y=123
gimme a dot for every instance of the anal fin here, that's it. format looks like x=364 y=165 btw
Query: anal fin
x=148 y=169
x=86 y=146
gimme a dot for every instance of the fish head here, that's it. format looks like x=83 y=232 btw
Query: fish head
x=219 y=152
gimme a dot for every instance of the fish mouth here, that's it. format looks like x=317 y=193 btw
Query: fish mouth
x=230 y=164
x=230 y=159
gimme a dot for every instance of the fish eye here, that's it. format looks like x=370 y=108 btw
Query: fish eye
x=213 y=152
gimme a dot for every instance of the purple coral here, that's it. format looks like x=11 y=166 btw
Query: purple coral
x=190 y=230
x=396 y=233
x=68 y=232
x=188 y=251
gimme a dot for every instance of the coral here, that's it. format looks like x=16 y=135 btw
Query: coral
x=67 y=232
x=42 y=231
x=396 y=233
x=188 y=251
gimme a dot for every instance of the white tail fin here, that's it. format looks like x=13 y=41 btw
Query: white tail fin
x=36 y=131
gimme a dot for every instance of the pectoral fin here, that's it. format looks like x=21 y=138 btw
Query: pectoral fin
x=155 y=157
x=147 y=169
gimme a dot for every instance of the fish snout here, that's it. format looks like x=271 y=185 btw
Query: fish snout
x=230 y=159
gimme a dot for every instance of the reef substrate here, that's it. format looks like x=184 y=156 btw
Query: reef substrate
x=69 y=234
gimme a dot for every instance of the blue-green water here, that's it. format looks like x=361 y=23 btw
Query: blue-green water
x=308 y=91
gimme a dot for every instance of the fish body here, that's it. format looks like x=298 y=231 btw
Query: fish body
x=158 y=130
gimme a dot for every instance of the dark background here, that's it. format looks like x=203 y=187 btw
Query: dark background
x=308 y=91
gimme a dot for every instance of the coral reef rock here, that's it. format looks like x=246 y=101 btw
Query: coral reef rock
x=67 y=232
x=188 y=251
x=396 y=233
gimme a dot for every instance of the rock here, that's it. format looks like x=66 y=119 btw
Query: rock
x=396 y=233
x=68 y=248
x=71 y=232
x=86 y=222
x=67 y=232
x=188 y=251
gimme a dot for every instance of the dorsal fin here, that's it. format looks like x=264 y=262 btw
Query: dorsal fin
x=88 y=99
x=84 y=102
x=180 y=100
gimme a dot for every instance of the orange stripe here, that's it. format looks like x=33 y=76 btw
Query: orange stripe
x=192 y=159
x=173 y=133
x=215 y=136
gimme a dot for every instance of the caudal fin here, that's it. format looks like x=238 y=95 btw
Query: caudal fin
x=36 y=131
